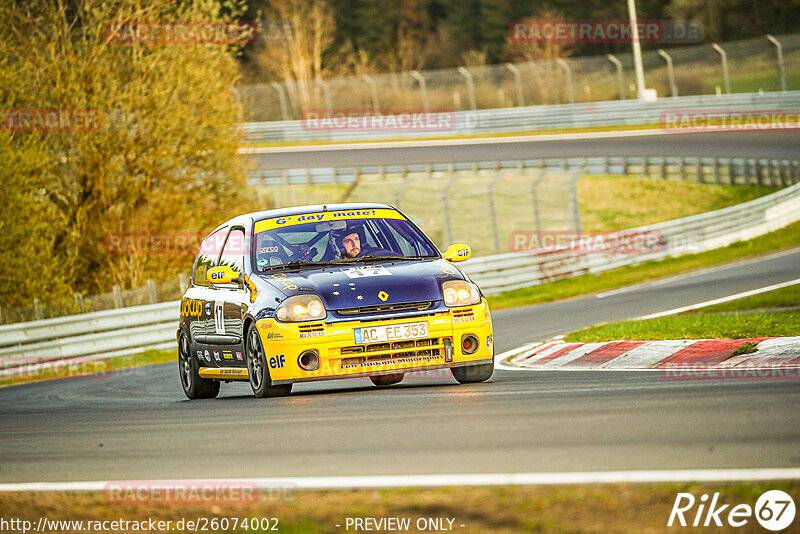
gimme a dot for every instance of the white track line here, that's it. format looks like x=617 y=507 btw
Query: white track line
x=413 y=481
x=721 y=300
x=455 y=142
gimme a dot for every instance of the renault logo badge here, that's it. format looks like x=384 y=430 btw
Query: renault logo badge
x=383 y=295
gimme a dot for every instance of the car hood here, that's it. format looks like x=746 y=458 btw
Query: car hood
x=354 y=285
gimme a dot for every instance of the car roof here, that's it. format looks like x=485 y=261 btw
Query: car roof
x=299 y=210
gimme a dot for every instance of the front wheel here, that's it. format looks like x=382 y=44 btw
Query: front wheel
x=194 y=386
x=257 y=370
x=469 y=374
x=387 y=380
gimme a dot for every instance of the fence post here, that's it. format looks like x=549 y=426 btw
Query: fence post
x=575 y=210
x=682 y=170
x=673 y=87
x=725 y=77
x=37 y=309
x=282 y=96
x=470 y=86
x=446 y=205
x=536 y=216
x=717 y=178
x=423 y=89
x=78 y=301
x=568 y=77
x=117 y=297
x=781 y=70
x=326 y=92
x=759 y=177
x=731 y=172
x=620 y=79
x=151 y=291
x=373 y=89
x=351 y=187
x=492 y=208
x=663 y=167
x=518 y=83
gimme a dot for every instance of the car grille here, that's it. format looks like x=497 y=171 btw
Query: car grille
x=305 y=328
x=380 y=308
x=394 y=350
x=462 y=315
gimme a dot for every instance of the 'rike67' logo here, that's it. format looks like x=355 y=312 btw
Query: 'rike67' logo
x=774 y=510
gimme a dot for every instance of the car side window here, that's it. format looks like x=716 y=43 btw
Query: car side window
x=233 y=253
x=206 y=257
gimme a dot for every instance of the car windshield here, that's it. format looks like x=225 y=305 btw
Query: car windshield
x=327 y=238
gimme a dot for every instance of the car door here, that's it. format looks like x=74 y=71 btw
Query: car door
x=230 y=303
x=198 y=302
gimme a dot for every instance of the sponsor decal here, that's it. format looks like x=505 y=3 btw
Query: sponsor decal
x=292 y=220
x=273 y=335
x=238 y=355
x=366 y=270
x=311 y=334
x=191 y=308
x=208 y=308
x=216 y=356
x=207 y=356
x=287 y=283
x=199 y=355
x=228 y=355
x=276 y=362
x=489 y=341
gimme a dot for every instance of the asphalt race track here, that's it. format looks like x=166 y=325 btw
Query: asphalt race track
x=138 y=425
x=780 y=144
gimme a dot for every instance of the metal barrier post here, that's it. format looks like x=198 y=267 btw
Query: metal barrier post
x=37 y=309
x=326 y=91
x=446 y=205
x=536 y=217
x=781 y=70
x=673 y=87
x=78 y=302
x=151 y=291
x=282 y=96
x=117 y=297
x=620 y=79
x=574 y=207
x=423 y=89
x=492 y=208
x=568 y=77
x=517 y=82
x=470 y=86
x=725 y=77
x=373 y=89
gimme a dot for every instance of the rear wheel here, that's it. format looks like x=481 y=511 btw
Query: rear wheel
x=260 y=381
x=387 y=380
x=469 y=374
x=194 y=386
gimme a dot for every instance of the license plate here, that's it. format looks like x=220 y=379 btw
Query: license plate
x=394 y=332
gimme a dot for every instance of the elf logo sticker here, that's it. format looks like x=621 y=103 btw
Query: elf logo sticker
x=774 y=510
x=276 y=362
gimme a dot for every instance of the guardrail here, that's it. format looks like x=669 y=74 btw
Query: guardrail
x=117 y=332
x=533 y=118
x=740 y=171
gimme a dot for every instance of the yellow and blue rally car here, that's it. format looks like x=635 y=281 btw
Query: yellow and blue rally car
x=325 y=292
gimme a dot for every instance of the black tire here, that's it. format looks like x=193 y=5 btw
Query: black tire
x=387 y=380
x=470 y=374
x=194 y=386
x=260 y=381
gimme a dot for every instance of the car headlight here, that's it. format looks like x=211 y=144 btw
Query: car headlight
x=301 y=308
x=460 y=293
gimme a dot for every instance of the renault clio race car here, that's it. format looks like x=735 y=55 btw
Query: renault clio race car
x=326 y=292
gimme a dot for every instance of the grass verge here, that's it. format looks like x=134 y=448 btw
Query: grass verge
x=783 y=239
x=36 y=372
x=771 y=314
x=608 y=508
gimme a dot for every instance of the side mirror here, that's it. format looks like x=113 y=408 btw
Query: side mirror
x=456 y=253
x=223 y=275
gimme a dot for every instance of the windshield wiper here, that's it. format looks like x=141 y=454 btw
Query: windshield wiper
x=298 y=263
x=377 y=258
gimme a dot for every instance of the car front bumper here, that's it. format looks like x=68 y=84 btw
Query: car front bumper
x=341 y=357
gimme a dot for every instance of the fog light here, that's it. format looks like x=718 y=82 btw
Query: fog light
x=308 y=360
x=469 y=343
